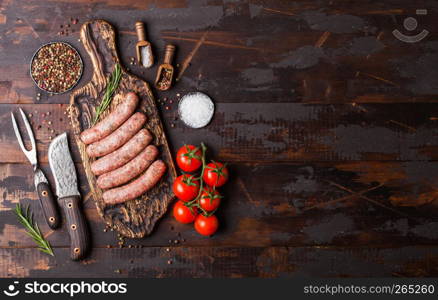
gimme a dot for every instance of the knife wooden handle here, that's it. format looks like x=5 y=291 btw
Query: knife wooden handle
x=77 y=227
x=48 y=205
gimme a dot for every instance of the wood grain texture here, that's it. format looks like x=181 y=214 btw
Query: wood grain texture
x=252 y=50
x=219 y=262
x=267 y=132
x=329 y=124
x=379 y=204
x=135 y=218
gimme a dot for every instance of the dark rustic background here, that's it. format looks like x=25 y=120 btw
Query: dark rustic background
x=329 y=124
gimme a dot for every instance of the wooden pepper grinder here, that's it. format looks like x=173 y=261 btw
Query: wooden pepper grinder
x=165 y=71
x=143 y=47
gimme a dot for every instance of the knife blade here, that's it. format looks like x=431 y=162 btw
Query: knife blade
x=64 y=173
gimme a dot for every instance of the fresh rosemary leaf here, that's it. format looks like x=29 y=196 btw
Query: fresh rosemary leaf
x=26 y=219
x=112 y=85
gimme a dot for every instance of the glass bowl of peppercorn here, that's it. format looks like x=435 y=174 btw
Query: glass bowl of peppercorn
x=56 y=67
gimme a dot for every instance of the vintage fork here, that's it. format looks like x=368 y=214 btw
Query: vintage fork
x=42 y=186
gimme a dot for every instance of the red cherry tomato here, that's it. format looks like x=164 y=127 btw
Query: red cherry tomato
x=206 y=225
x=215 y=174
x=210 y=199
x=186 y=187
x=188 y=158
x=184 y=214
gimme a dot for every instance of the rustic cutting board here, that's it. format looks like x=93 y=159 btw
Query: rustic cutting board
x=135 y=218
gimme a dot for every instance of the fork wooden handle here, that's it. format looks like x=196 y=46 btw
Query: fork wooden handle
x=48 y=205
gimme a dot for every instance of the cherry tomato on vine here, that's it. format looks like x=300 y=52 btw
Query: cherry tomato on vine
x=210 y=199
x=186 y=187
x=188 y=158
x=215 y=174
x=184 y=214
x=206 y=225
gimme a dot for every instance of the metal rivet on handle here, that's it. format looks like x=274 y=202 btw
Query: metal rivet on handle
x=73 y=226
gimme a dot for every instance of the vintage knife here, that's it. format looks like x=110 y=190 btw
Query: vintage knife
x=64 y=172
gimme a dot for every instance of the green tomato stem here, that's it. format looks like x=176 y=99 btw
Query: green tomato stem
x=195 y=202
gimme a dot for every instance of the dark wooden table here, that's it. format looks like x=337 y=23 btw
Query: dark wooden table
x=328 y=122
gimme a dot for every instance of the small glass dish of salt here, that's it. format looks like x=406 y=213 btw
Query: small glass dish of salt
x=196 y=109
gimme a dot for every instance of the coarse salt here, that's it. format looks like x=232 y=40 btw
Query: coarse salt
x=146 y=56
x=196 y=110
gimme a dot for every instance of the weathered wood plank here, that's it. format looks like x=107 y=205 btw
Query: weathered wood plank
x=275 y=131
x=179 y=262
x=343 y=204
x=249 y=51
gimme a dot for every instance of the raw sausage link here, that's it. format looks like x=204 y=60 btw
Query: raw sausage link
x=129 y=171
x=122 y=155
x=116 y=118
x=118 y=138
x=137 y=187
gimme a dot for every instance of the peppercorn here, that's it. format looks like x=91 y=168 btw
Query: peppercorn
x=56 y=67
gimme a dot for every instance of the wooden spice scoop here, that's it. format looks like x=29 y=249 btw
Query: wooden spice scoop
x=143 y=47
x=165 y=71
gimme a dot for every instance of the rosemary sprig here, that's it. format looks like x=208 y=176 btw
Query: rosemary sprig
x=113 y=83
x=32 y=229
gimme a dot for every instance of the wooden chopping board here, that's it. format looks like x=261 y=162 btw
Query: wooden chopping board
x=135 y=218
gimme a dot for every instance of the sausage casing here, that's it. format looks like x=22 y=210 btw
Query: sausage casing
x=129 y=171
x=122 y=155
x=118 y=138
x=134 y=189
x=116 y=118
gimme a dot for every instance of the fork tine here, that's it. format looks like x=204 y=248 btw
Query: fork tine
x=29 y=131
x=17 y=133
x=30 y=154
